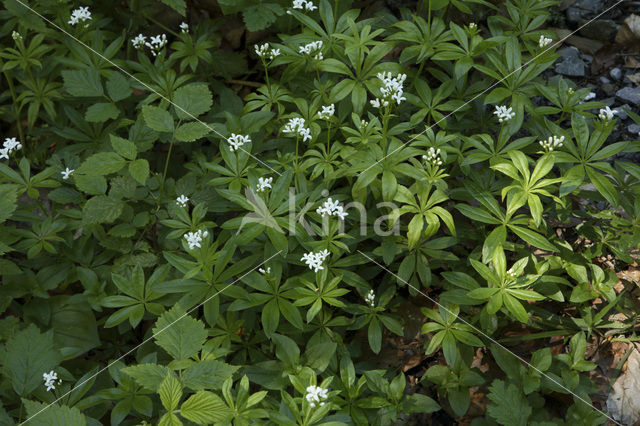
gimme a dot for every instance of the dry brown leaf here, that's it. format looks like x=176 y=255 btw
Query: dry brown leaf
x=629 y=31
x=632 y=62
x=635 y=78
x=623 y=402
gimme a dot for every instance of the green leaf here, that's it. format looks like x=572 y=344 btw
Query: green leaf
x=179 y=334
x=101 y=209
x=90 y=184
x=149 y=376
x=82 y=82
x=192 y=101
x=374 y=335
x=102 y=163
x=286 y=349
x=189 y=132
x=169 y=419
x=604 y=186
x=533 y=238
x=208 y=374
x=139 y=170
x=101 y=112
x=118 y=87
x=157 y=118
x=27 y=355
x=75 y=330
x=260 y=16
x=8 y=198
x=419 y=403
x=179 y=6
x=53 y=415
x=510 y=407
x=124 y=147
x=205 y=407
x=170 y=392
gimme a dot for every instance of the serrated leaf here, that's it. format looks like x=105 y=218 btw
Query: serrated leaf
x=157 y=118
x=101 y=112
x=92 y=185
x=62 y=195
x=193 y=100
x=82 y=82
x=189 y=132
x=259 y=17
x=170 y=392
x=208 y=374
x=124 y=147
x=180 y=335
x=101 y=209
x=139 y=170
x=149 y=376
x=509 y=407
x=179 y=6
x=8 y=197
x=102 y=163
x=53 y=415
x=205 y=407
x=118 y=87
x=27 y=355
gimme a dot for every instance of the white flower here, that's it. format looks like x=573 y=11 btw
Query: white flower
x=236 y=141
x=589 y=96
x=304 y=4
x=504 y=113
x=263 y=183
x=182 y=200
x=392 y=90
x=551 y=143
x=544 y=41
x=606 y=113
x=313 y=48
x=263 y=271
x=10 y=144
x=332 y=208
x=50 y=379
x=80 y=15
x=184 y=27
x=327 y=112
x=66 y=172
x=156 y=43
x=16 y=36
x=261 y=51
x=315 y=394
x=371 y=298
x=472 y=26
x=314 y=260
x=273 y=53
x=297 y=125
x=139 y=41
x=195 y=238
x=433 y=156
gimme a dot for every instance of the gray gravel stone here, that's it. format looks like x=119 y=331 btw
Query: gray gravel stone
x=584 y=9
x=621 y=114
x=616 y=73
x=600 y=29
x=629 y=94
x=634 y=129
x=608 y=89
x=571 y=64
x=604 y=80
x=609 y=101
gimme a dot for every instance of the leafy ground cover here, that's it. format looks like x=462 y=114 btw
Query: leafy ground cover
x=275 y=212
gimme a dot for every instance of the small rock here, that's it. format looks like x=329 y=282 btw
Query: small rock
x=634 y=129
x=604 y=80
x=609 y=89
x=569 y=52
x=571 y=64
x=621 y=114
x=587 y=58
x=584 y=9
x=609 y=101
x=616 y=73
x=629 y=94
x=600 y=29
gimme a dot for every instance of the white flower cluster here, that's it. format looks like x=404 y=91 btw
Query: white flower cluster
x=304 y=4
x=236 y=141
x=16 y=36
x=297 y=125
x=551 y=143
x=315 y=394
x=332 y=208
x=264 y=51
x=182 y=200
x=504 y=113
x=265 y=271
x=472 y=26
x=313 y=48
x=264 y=183
x=511 y=275
x=433 y=156
x=314 y=260
x=139 y=41
x=156 y=43
x=195 y=238
x=327 y=112
x=81 y=14
x=371 y=296
x=66 y=172
x=607 y=113
x=9 y=145
x=544 y=41
x=50 y=379
x=391 y=91
x=184 y=27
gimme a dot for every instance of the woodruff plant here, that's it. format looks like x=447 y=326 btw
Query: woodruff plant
x=192 y=235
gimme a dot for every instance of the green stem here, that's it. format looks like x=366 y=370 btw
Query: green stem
x=385 y=124
x=166 y=166
x=328 y=137
x=415 y=78
x=12 y=89
x=161 y=25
